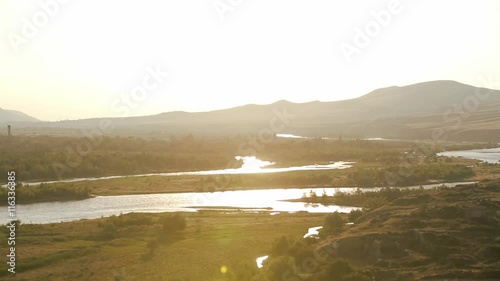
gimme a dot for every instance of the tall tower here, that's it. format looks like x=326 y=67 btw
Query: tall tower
x=8 y=130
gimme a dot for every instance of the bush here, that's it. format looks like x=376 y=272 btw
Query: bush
x=280 y=246
x=333 y=223
x=46 y=192
x=374 y=203
x=132 y=219
x=337 y=270
x=279 y=268
x=354 y=215
x=109 y=231
x=173 y=224
x=302 y=255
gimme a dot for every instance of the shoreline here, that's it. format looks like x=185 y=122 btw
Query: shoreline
x=145 y=192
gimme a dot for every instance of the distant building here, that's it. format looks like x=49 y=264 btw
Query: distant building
x=8 y=130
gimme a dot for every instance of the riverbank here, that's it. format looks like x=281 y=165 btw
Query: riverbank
x=181 y=186
x=45 y=193
x=272 y=200
x=373 y=199
x=361 y=175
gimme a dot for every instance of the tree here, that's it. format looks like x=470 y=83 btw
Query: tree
x=280 y=246
x=333 y=223
x=337 y=270
x=354 y=215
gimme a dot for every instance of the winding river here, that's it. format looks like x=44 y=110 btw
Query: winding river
x=251 y=165
x=269 y=200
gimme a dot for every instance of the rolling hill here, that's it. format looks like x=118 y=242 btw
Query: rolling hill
x=459 y=111
x=9 y=116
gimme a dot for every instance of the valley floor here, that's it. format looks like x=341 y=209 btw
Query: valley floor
x=443 y=234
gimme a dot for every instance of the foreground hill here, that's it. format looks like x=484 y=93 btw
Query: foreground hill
x=445 y=234
x=441 y=234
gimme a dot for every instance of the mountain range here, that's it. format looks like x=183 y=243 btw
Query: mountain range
x=444 y=110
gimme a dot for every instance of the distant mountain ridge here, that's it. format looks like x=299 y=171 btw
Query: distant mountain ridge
x=8 y=116
x=412 y=111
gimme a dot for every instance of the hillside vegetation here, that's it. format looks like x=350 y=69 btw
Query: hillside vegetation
x=441 y=234
x=51 y=158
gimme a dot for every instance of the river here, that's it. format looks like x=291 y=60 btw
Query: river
x=246 y=200
x=489 y=155
x=250 y=165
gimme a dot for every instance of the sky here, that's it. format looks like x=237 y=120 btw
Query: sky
x=76 y=59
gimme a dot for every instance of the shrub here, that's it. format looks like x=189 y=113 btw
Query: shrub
x=173 y=224
x=302 y=255
x=280 y=246
x=337 y=270
x=354 y=215
x=279 y=268
x=374 y=203
x=127 y=220
x=333 y=223
x=109 y=231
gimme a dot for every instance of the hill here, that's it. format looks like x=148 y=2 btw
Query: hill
x=9 y=116
x=437 y=234
x=462 y=112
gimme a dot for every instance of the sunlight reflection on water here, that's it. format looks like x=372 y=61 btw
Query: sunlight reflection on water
x=489 y=155
x=260 y=260
x=251 y=165
x=270 y=200
x=313 y=231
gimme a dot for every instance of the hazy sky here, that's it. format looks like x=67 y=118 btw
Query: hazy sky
x=78 y=59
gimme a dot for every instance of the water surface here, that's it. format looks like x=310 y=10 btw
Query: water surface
x=313 y=231
x=269 y=200
x=489 y=155
x=290 y=136
x=260 y=260
x=251 y=165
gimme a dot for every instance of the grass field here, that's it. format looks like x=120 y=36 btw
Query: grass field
x=85 y=250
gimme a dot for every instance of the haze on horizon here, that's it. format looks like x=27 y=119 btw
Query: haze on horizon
x=90 y=54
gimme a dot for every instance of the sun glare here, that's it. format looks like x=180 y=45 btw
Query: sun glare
x=252 y=164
